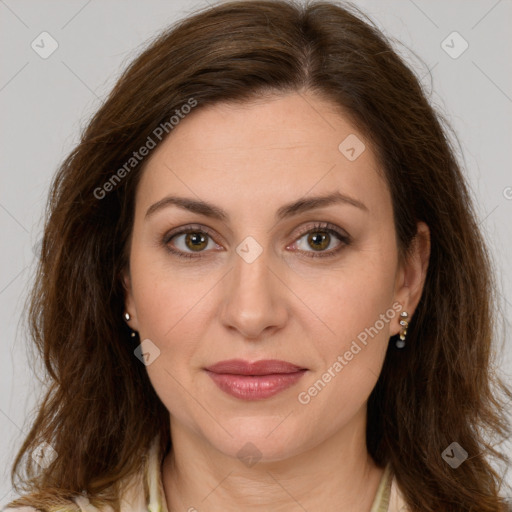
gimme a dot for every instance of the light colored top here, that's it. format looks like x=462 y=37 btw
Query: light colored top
x=144 y=492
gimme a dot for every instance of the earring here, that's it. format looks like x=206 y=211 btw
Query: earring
x=127 y=317
x=403 y=330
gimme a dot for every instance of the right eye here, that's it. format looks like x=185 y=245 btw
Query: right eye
x=189 y=242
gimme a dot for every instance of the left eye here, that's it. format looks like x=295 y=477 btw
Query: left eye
x=320 y=239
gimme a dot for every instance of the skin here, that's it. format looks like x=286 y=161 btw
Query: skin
x=250 y=160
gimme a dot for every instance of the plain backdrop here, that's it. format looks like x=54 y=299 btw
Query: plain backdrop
x=44 y=102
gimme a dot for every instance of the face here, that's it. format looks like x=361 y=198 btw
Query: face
x=251 y=277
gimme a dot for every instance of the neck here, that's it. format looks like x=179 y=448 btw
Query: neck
x=335 y=474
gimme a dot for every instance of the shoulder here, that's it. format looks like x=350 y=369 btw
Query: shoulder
x=396 y=500
x=20 y=509
x=132 y=500
x=389 y=497
x=138 y=491
x=77 y=504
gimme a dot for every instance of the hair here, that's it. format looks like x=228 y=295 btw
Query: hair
x=439 y=389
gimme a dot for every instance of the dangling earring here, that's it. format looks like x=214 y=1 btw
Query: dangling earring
x=127 y=317
x=403 y=330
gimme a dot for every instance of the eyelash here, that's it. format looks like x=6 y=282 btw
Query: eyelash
x=319 y=227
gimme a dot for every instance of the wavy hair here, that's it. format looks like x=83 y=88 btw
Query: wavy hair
x=441 y=388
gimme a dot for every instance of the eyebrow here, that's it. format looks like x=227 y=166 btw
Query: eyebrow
x=284 y=212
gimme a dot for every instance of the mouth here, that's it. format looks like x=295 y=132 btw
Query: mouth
x=254 y=381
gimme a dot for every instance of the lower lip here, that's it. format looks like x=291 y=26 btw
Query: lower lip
x=249 y=387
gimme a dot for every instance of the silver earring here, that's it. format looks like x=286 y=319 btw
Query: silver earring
x=127 y=317
x=403 y=330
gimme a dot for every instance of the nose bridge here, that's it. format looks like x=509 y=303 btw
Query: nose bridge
x=254 y=301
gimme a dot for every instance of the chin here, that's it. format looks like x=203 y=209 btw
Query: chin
x=268 y=439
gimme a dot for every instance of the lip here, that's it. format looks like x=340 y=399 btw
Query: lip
x=262 y=367
x=254 y=381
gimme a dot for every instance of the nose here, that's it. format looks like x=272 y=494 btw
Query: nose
x=254 y=298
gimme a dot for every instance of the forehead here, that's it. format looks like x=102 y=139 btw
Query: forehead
x=263 y=154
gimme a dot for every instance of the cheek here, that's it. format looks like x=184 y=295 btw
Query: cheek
x=171 y=313
x=355 y=316
x=359 y=330
x=351 y=297
x=349 y=359
x=167 y=297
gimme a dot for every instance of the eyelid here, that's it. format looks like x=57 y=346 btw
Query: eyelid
x=344 y=236
x=189 y=228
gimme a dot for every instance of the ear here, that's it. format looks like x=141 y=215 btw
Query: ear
x=412 y=273
x=129 y=303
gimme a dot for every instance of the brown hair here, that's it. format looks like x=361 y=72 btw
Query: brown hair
x=439 y=389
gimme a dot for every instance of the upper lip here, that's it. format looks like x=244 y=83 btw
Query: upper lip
x=263 y=367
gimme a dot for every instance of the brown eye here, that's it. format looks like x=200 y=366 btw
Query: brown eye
x=188 y=241
x=319 y=240
x=196 y=241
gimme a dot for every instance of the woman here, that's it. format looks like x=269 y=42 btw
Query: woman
x=202 y=354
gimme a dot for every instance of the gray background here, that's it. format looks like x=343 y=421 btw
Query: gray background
x=45 y=102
